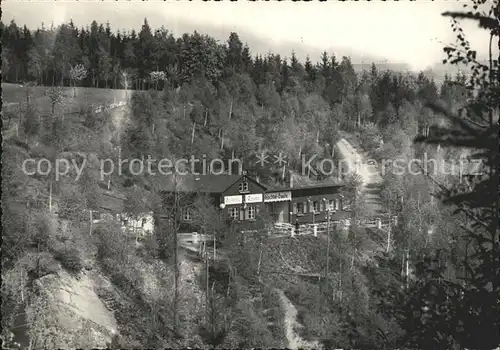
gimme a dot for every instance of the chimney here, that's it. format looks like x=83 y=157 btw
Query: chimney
x=291 y=180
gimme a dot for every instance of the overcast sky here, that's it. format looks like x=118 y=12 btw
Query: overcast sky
x=409 y=33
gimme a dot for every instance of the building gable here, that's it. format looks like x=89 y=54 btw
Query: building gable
x=251 y=186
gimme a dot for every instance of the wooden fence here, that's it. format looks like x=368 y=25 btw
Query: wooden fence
x=286 y=229
x=194 y=237
x=283 y=229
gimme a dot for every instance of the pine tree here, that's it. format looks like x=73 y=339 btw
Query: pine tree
x=324 y=65
x=310 y=71
x=234 y=53
x=246 y=59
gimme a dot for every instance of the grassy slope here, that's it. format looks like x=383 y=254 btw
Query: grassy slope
x=15 y=94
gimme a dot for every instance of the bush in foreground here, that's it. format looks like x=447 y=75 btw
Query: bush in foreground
x=70 y=259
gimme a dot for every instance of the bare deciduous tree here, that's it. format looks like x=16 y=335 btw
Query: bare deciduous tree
x=76 y=74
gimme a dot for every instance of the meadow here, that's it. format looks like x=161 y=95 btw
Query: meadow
x=14 y=98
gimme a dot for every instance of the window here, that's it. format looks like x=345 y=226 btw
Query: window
x=143 y=222
x=300 y=208
x=234 y=213
x=250 y=213
x=316 y=207
x=331 y=204
x=186 y=214
x=243 y=186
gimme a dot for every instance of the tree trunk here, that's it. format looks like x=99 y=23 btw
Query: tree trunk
x=260 y=259
x=327 y=251
x=340 y=282
x=231 y=109
x=176 y=260
x=50 y=197
x=214 y=246
x=207 y=281
x=403 y=265
x=90 y=230
x=407 y=268
x=389 y=236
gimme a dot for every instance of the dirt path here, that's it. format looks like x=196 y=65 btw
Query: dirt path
x=291 y=326
x=356 y=163
x=192 y=296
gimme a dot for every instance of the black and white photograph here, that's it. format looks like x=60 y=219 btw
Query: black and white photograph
x=250 y=174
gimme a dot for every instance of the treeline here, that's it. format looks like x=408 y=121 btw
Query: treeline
x=47 y=55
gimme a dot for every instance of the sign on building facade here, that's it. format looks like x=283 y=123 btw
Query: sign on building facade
x=233 y=200
x=253 y=198
x=278 y=196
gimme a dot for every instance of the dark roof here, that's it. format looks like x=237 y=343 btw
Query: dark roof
x=319 y=185
x=110 y=203
x=306 y=186
x=209 y=183
x=110 y=200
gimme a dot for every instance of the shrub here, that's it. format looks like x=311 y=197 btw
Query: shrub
x=72 y=205
x=31 y=123
x=8 y=115
x=112 y=242
x=151 y=247
x=42 y=228
x=38 y=265
x=370 y=137
x=70 y=259
x=91 y=120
